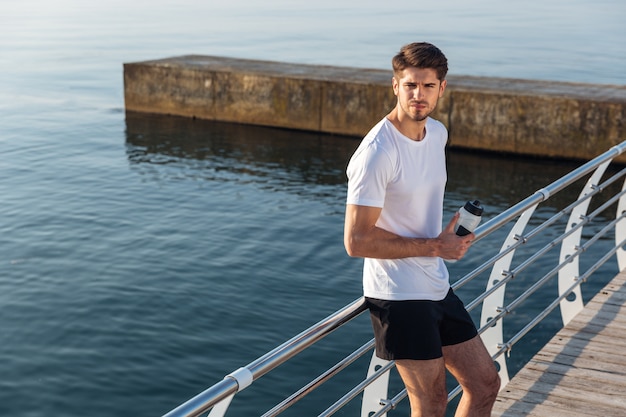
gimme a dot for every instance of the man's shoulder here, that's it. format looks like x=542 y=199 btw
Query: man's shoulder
x=380 y=135
x=378 y=129
x=437 y=130
x=435 y=124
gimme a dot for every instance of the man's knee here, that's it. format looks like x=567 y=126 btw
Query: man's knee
x=437 y=403
x=495 y=384
x=490 y=388
x=440 y=401
x=430 y=403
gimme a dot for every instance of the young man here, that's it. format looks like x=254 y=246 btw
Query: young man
x=396 y=181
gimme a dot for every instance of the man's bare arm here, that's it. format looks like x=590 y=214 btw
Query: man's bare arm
x=362 y=238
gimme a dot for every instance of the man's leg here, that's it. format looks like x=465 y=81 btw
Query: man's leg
x=472 y=366
x=425 y=382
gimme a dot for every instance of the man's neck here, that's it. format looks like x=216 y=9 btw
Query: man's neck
x=412 y=129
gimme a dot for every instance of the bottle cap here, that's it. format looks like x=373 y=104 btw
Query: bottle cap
x=474 y=207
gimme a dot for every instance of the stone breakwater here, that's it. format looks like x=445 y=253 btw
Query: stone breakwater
x=534 y=118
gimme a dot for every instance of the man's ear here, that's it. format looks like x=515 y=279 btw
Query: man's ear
x=394 y=85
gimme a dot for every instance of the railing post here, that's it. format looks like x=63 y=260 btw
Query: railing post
x=377 y=390
x=219 y=409
x=493 y=337
x=573 y=304
x=620 y=230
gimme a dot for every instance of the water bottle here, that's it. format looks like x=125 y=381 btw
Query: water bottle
x=469 y=219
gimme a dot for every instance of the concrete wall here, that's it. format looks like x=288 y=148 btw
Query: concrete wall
x=564 y=120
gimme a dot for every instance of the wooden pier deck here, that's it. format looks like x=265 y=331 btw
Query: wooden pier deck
x=581 y=372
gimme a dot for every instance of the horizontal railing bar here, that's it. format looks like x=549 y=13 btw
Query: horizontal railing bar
x=520 y=268
x=615 y=177
x=556 y=302
x=454 y=392
x=202 y=402
x=516 y=338
x=543 y=194
x=531 y=290
x=523 y=297
x=311 y=386
x=527 y=237
x=584 y=221
x=476 y=301
x=391 y=404
x=606 y=205
x=490 y=262
x=520 y=242
x=477 y=271
x=350 y=395
x=508 y=309
x=295 y=345
x=601 y=261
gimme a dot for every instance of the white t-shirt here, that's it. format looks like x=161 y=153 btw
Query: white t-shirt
x=406 y=178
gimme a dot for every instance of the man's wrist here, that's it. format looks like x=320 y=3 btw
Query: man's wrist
x=429 y=247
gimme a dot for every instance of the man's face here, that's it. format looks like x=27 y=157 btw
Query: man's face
x=418 y=91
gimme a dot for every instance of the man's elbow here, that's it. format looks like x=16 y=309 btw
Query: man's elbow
x=350 y=251
x=352 y=247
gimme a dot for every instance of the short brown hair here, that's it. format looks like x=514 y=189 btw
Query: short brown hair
x=421 y=55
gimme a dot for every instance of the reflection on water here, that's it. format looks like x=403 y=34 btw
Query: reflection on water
x=226 y=151
x=219 y=151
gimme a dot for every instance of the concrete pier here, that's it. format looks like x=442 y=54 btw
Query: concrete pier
x=536 y=118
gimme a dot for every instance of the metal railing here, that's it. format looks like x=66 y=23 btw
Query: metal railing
x=374 y=388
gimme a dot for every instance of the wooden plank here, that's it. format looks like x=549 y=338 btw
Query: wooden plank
x=581 y=372
x=507 y=407
x=616 y=379
x=586 y=358
x=539 y=404
x=607 y=312
x=599 y=339
x=582 y=341
x=575 y=399
x=593 y=328
x=584 y=380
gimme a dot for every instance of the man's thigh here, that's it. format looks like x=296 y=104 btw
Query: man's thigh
x=470 y=363
x=425 y=381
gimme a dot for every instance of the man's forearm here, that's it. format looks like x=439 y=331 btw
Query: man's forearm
x=382 y=244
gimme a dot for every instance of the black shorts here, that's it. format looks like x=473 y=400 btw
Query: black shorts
x=417 y=329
